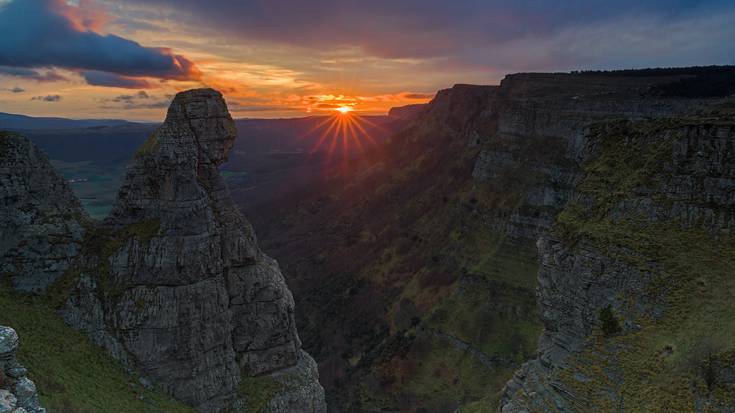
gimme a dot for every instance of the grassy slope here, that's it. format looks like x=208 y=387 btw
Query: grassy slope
x=72 y=374
x=663 y=365
x=413 y=268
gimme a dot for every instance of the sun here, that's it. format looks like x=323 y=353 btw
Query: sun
x=344 y=109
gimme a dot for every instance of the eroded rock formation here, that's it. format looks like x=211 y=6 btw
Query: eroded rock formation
x=173 y=283
x=17 y=391
x=41 y=221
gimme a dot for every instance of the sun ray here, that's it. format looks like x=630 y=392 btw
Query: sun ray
x=325 y=135
x=364 y=132
x=345 y=129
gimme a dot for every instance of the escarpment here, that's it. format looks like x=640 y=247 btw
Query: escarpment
x=629 y=195
x=635 y=283
x=459 y=264
x=173 y=282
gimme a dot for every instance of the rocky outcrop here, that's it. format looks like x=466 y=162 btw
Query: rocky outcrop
x=174 y=284
x=17 y=391
x=624 y=315
x=406 y=112
x=41 y=221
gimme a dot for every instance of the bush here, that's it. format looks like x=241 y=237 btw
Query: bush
x=608 y=322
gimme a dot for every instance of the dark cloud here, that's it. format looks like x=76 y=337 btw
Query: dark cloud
x=52 y=33
x=47 y=98
x=485 y=33
x=14 y=89
x=129 y=98
x=140 y=100
x=97 y=78
x=46 y=75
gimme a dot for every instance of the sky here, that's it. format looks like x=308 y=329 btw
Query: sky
x=274 y=58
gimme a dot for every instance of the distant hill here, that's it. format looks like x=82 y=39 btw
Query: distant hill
x=271 y=158
x=11 y=121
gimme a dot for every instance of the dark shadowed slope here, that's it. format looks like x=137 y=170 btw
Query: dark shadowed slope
x=416 y=268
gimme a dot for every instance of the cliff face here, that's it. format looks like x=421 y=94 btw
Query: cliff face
x=17 y=391
x=41 y=221
x=174 y=283
x=633 y=320
x=441 y=229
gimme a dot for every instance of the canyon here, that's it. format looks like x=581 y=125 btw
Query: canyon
x=503 y=214
x=561 y=242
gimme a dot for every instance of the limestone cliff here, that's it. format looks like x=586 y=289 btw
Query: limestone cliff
x=173 y=284
x=41 y=221
x=17 y=391
x=430 y=248
x=635 y=283
x=618 y=207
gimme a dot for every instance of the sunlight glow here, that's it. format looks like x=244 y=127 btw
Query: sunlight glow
x=351 y=133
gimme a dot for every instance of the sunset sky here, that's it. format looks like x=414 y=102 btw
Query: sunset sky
x=271 y=58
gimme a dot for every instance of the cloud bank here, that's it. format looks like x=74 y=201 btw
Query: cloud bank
x=496 y=34
x=51 y=33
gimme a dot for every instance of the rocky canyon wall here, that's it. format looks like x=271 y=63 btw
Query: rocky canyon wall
x=172 y=284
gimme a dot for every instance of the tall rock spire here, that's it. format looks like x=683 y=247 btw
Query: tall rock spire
x=175 y=285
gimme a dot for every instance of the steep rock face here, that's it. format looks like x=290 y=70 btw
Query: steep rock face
x=174 y=283
x=17 y=391
x=427 y=251
x=41 y=221
x=646 y=239
x=541 y=137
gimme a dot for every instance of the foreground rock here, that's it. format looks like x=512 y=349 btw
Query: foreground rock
x=41 y=221
x=174 y=285
x=17 y=392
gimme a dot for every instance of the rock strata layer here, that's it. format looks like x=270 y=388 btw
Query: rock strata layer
x=615 y=206
x=174 y=284
x=17 y=392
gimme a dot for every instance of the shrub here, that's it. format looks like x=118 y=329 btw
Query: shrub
x=608 y=322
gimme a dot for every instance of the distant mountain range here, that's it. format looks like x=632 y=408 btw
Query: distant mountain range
x=274 y=156
x=115 y=140
x=11 y=121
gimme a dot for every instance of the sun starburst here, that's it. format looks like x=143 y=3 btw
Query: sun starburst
x=344 y=130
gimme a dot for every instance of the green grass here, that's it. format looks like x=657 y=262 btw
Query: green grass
x=444 y=377
x=661 y=363
x=71 y=373
x=99 y=245
x=258 y=391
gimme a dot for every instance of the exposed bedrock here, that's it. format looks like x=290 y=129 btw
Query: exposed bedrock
x=174 y=284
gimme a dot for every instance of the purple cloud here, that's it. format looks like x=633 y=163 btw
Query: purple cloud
x=32 y=74
x=52 y=33
x=490 y=34
x=97 y=78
